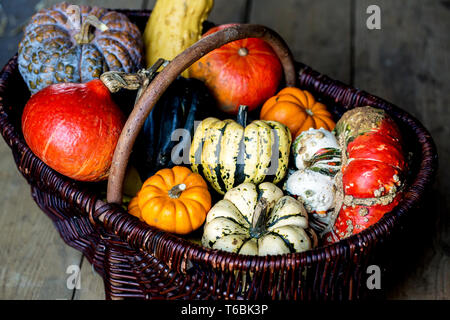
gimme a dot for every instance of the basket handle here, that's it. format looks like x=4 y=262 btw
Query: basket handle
x=161 y=82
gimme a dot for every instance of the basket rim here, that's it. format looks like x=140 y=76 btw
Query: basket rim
x=169 y=247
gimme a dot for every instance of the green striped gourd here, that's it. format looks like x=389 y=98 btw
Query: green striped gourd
x=228 y=153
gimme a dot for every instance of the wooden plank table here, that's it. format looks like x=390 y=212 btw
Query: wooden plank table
x=405 y=62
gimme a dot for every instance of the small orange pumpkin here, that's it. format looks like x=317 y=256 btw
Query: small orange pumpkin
x=298 y=110
x=133 y=207
x=174 y=200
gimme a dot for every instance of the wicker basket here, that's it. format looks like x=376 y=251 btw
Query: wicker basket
x=138 y=261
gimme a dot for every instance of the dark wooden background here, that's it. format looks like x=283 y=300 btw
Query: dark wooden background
x=405 y=62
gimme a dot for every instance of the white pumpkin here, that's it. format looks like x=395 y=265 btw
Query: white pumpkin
x=317 y=192
x=258 y=220
x=317 y=158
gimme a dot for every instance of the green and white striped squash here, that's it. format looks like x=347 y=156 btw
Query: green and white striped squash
x=228 y=153
x=258 y=220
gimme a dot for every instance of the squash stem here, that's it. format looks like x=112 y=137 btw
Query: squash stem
x=243 y=52
x=116 y=80
x=176 y=191
x=242 y=115
x=258 y=222
x=85 y=37
x=149 y=74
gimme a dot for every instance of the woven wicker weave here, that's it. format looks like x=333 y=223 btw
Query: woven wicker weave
x=138 y=261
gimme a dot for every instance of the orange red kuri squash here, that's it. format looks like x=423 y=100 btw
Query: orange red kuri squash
x=243 y=72
x=298 y=110
x=174 y=200
x=74 y=128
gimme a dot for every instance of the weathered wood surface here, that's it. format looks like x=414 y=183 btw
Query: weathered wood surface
x=318 y=32
x=33 y=258
x=405 y=62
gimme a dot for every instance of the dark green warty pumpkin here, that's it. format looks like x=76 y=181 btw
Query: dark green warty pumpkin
x=68 y=43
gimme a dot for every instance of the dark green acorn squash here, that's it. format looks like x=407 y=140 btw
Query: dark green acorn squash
x=161 y=143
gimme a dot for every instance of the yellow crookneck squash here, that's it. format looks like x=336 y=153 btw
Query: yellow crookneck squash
x=173 y=26
x=174 y=200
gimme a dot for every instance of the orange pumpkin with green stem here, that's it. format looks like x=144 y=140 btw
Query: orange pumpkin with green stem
x=174 y=200
x=298 y=110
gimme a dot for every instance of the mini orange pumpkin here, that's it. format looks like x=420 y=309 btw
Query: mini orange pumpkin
x=133 y=207
x=174 y=200
x=298 y=110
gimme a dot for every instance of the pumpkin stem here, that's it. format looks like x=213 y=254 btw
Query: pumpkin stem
x=149 y=74
x=243 y=52
x=85 y=37
x=259 y=218
x=176 y=191
x=116 y=80
x=242 y=115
